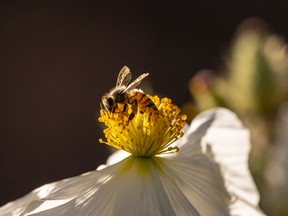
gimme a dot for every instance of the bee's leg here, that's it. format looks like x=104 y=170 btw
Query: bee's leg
x=131 y=116
x=124 y=107
x=114 y=108
x=152 y=105
x=134 y=106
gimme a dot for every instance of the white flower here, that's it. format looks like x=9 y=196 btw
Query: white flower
x=208 y=176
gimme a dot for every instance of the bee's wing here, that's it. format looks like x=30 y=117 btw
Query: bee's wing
x=136 y=82
x=124 y=77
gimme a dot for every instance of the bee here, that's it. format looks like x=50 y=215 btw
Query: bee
x=124 y=93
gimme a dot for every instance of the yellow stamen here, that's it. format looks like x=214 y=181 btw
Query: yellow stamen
x=146 y=133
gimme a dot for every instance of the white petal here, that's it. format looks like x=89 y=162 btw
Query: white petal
x=227 y=143
x=16 y=207
x=190 y=142
x=130 y=187
x=80 y=195
x=135 y=186
x=141 y=192
x=116 y=157
x=194 y=186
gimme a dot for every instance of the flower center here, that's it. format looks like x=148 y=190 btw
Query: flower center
x=144 y=131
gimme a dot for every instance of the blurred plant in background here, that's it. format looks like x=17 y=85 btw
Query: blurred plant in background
x=253 y=82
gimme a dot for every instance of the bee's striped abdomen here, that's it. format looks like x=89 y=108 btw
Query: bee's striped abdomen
x=142 y=100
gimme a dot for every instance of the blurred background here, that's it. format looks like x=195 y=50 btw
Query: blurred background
x=57 y=58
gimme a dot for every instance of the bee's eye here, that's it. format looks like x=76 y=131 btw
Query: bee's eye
x=110 y=101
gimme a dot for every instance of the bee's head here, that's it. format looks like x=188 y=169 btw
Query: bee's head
x=108 y=103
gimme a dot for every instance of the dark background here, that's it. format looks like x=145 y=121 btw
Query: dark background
x=57 y=58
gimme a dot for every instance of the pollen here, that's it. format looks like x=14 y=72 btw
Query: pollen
x=144 y=132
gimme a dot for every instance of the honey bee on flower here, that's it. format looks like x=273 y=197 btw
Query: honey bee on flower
x=117 y=99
